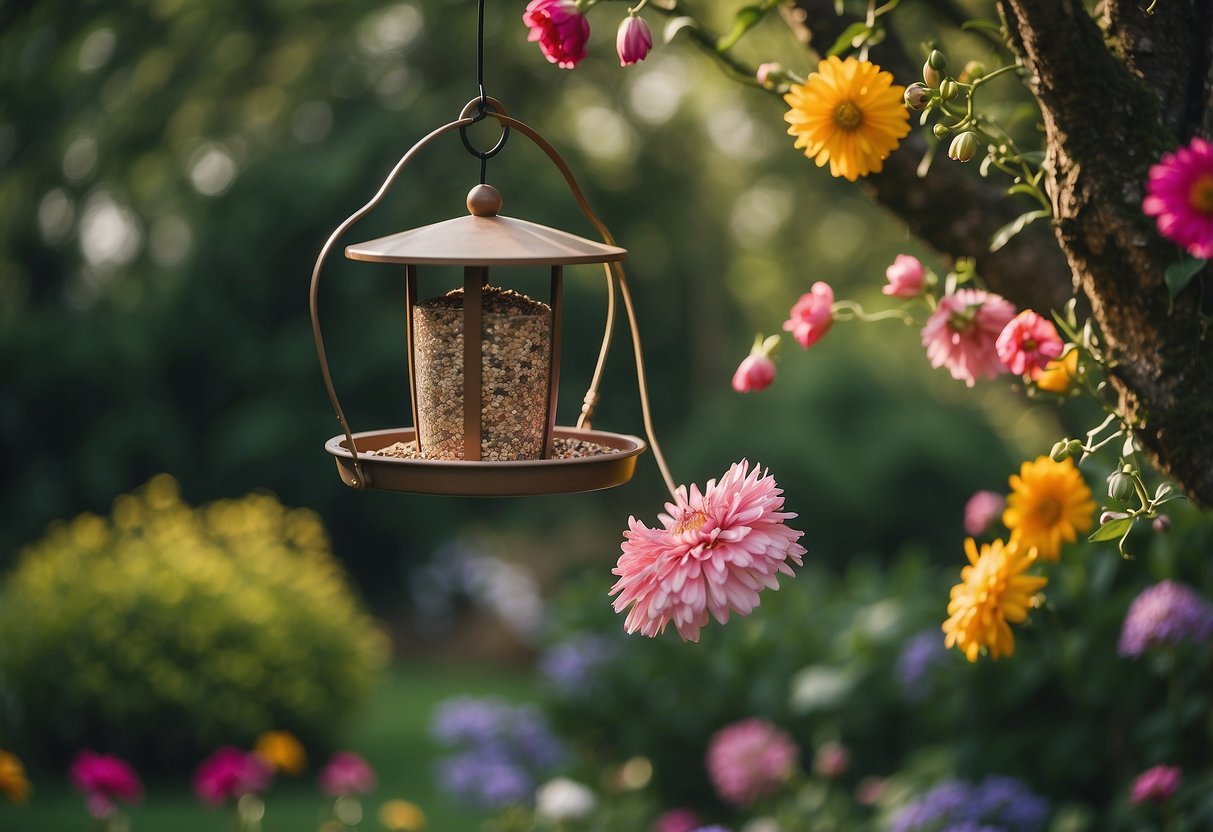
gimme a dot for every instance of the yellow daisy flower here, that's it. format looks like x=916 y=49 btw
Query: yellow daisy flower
x=847 y=113
x=402 y=816
x=13 y=783
x=993 y=591
x=1059 y=374
x=1049 y=502
x=282 y=751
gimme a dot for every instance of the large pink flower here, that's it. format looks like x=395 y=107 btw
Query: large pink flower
x=962 y=331
x=812 y=315
x=104 y=779
x=749 y=760
x=560 y=28
x=1180 y=195
x=346 y=773
x=716 y=550
x=230 y=774
x=1028 y=343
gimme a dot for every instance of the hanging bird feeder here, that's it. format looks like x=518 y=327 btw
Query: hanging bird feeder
x=484 y=361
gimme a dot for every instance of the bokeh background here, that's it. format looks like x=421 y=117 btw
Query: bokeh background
x=168 y=172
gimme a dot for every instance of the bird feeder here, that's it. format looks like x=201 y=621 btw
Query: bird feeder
x=484 y=360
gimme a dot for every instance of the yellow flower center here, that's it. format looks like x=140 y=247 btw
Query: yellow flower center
x=848 y=117
x=1047 y=511
x=1201 y=194
x=692 y=522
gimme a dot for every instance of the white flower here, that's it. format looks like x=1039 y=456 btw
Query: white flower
x=563 y=799
x=761 y=825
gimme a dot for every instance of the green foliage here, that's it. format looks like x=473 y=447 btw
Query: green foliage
x=167 y=630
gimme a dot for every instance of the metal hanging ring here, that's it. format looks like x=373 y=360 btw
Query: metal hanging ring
x=478 y=109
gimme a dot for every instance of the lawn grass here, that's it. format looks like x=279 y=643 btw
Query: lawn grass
x=389 y=731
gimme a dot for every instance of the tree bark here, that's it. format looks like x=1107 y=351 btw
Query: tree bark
x=1114 y=94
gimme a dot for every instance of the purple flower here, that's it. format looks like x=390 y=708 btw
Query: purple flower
x=572 y=665
x=1165 y=614
x=467 y=720
x=491 y=781
x=1156 y=785
x=919 y=658
x=1002 y=804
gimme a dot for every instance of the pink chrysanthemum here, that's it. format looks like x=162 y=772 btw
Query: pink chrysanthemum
x=561 y=29
x=1180 y=195
x=750 y=760
x=715 y=551
x=962 y=331
x=1028 y=343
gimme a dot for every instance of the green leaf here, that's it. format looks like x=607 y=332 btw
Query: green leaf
x=1180 y=274
x=1033 y=157
x=980 y=23
x=747 y=18
x=1003 y=235
x=1022 y=188
x=856 y=31
x=1112 y=529
x=676 y=25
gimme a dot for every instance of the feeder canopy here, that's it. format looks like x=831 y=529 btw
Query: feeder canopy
x=484 y=239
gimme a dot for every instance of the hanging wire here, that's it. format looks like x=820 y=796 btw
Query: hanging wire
x=482 y=108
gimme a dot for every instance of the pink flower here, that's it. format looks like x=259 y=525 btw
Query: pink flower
x=906 y=277
x=104 y=779
x=1028 y=343
x=831 y=760
x=749 y=760
x=346 y=773
x=961 y=333
x=633 y=41
x=560 y=28
x=1180 y=195
x=812 y=315
x=716 y=550
x=1156 y=785
x=677 y=820
x=982 y=509
x=756 y=372
x=230 y=774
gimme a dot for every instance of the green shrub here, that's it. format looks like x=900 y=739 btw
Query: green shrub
x=168 y=630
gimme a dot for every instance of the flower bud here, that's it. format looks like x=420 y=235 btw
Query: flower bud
x=1107 y=517
x=1120 y=486
x=940 y=131
x=633 y=41
x=972 y=71
x=771 y=74
x=948 y=89
x=1075 y=446
x=1060 y=452
x=932 y=70
x=1162 y=523
x=917 y=96
x=964 y=147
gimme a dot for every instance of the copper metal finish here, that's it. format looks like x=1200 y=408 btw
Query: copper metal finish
x=476 y=242
x=486 y=479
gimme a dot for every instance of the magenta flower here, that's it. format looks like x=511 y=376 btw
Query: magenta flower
x=677 y=820
x=750 y=760
x=560 y=28
x=1180 y=195
x=229 y=774
x=346 y=773
x=633 y=41
x=812 y=315
x=962 y=331
x=906 y=277
x=104 y=779
x=1156 y=785
x=1028 y=343
x=715 y=551
x=982 y=509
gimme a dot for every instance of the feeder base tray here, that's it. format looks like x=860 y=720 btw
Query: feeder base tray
x=487 y=479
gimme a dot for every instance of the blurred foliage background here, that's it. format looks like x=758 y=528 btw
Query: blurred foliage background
x=170 y=169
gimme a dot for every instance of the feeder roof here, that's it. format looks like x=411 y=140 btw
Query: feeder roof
x=484 y=239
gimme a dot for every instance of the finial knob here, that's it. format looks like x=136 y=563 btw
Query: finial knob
x=484 y=201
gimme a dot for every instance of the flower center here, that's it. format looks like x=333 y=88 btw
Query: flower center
x=691 y=522
x=1047 y=511
x=1201 y=194
x=848 y=117
x=1029 y=345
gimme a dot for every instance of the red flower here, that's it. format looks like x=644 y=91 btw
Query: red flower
x=560 y=28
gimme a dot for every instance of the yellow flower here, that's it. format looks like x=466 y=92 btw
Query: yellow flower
x=282 y=751
x=402 y=816
x=1049 y=502
x=1059 y=373
x=847 y=113
x=993 y=591
x=13 y=783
